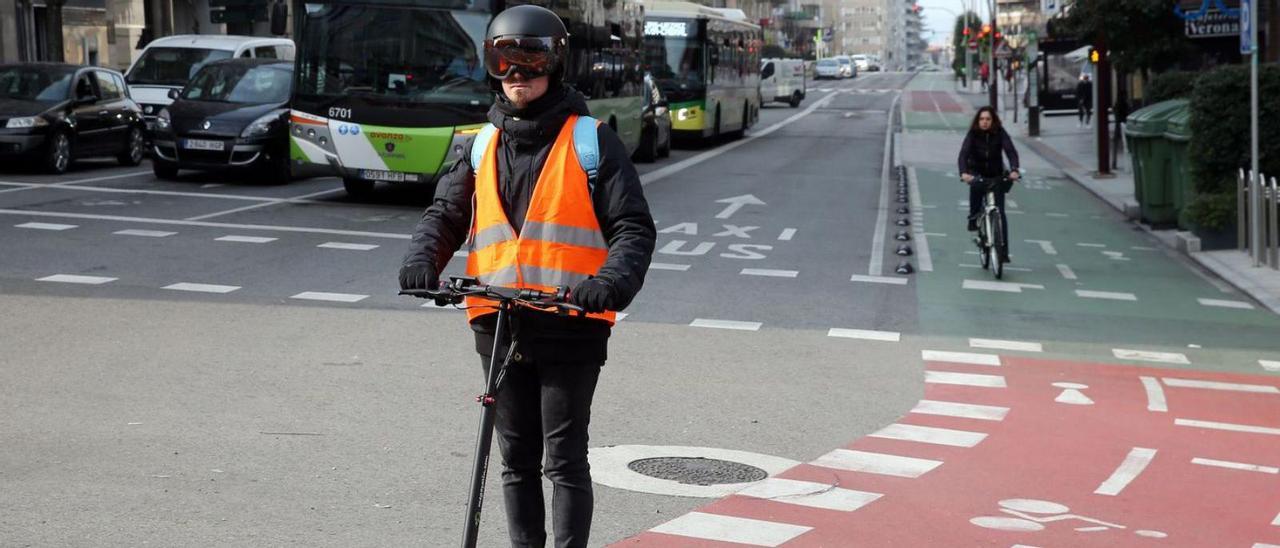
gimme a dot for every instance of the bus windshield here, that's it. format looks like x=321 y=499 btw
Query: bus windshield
x=392 y=55
x=676 y=64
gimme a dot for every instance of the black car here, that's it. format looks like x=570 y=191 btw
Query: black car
x=232 y=115
x=655 y=124
x=53 y=113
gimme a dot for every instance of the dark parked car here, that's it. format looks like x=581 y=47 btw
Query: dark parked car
x=53 y=113
x=232 y=115
x=655 y=124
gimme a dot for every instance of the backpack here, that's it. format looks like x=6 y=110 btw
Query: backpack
x=585 y=143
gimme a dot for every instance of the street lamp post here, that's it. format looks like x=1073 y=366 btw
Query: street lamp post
x=993 y=87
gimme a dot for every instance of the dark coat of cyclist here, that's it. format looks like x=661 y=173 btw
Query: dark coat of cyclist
x=545 y=400
x=982 y=155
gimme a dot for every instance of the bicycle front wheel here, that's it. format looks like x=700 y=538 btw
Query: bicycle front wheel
x=997 y=244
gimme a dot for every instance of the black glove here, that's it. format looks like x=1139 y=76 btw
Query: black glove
x=594 y=295
x=419 y=276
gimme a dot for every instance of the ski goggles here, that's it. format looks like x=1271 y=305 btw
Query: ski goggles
x=531 y=56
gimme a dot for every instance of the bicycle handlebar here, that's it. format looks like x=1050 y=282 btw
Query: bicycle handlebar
x=454 y=290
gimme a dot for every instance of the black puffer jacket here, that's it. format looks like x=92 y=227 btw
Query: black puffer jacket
x=524 y=143
x=981 y=153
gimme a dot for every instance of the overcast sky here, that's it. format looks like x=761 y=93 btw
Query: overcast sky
x=940 y=17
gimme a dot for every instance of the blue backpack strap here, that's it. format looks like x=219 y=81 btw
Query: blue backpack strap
x=481 y=144
x=586 y=143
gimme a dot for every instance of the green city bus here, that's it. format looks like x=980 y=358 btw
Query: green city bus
x=389 y=90
x=707 y=62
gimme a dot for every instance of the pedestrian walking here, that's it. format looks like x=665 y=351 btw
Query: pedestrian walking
x=532 y=216
x=985 y=72
x=1084 y=101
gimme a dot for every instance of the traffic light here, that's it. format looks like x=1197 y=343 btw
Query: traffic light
x=986 y=29
x=1094 y=56
x=966 y=31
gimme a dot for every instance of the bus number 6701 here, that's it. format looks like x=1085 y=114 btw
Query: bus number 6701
x=339 y=112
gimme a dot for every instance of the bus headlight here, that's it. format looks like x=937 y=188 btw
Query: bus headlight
x=683 y=114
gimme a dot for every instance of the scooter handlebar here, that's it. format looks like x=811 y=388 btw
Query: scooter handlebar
x=453 y=291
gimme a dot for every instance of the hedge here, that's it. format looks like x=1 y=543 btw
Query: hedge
x=1176 y=84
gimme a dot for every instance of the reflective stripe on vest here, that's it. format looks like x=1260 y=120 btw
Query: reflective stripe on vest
x=560 y=243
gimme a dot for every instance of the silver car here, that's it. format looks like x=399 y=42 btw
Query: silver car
x=826 y=68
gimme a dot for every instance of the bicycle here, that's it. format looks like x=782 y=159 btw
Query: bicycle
x=452 y=293
x=990 y=239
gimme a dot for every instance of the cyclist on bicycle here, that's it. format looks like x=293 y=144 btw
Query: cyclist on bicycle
x=982 y=155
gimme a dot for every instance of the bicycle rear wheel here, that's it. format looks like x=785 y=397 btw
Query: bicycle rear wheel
x=997 y=244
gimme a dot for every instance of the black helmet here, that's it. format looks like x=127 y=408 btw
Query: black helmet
x=527 y=38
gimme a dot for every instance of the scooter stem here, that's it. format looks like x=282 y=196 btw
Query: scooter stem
x=480 y=467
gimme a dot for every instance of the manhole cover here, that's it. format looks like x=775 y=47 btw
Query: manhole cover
x=697 y=470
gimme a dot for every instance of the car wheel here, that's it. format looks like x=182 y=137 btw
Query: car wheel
x=666 y=147
x=795 y=100
x=357 y=188
x=164 y=170
x=133 y=151
x=58 y=157
x=276 y=171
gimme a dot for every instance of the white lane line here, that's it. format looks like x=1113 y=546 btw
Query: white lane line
x=45 y=226
x=144 y=233
x=263 y=204
x=1150 y=356
x=1143 y=248
x=352 y=247
x=1057 y=215
x=752 y=532
x=1223 y=303
x=807 y=493
x=770 y=272
x=997 y=344
x=924 y=259
x=964 y=379
x=929 y=434
x=1109 y=295
x=878 y=279
x=331 y=297
x=1133 y=465
x=76 y=279
x=1270 y=365
x=29 y=186
x=1230 y=427
x=202 y=288
x=1066 y=272
x=876 y=463
x=1276 y=521
x=1215 y=385
x=1093 y=245
x=669 y=266
x=152 y=220
x=619 y=316
x=1045 y=245
x=246 y=239
x=1003 y=287
x=659 y=174
x=1264 y=545
x=725 y=324
x=960 y=357
x=1236 y=465
x=148 y=192
x=1155 y=395
x=864 y=334
x=960 y=410
x=936 y=234
x=787 y=234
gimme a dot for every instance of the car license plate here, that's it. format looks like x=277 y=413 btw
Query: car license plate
x=203 y=144
x=382 y=175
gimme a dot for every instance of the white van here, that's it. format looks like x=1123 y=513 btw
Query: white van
x=782 y=80
x=167 y=63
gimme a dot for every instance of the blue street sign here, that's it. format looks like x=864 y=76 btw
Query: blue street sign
x=1246 y=27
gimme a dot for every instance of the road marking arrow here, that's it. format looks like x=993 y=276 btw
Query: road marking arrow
x=736 y=203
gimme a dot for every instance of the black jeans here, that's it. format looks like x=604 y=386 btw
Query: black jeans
x=976 y=197
x=537 y=404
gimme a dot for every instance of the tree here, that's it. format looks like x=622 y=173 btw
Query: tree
x=960 y=42
x=1139 y=34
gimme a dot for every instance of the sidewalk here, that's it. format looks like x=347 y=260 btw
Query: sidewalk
x=1073 y=150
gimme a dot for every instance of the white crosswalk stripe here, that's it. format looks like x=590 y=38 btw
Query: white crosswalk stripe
x=807 y=493
x=961 y=410
x=876 y=463
x=752 y=532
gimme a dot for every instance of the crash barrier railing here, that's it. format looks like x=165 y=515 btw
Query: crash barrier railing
x=1267 y=223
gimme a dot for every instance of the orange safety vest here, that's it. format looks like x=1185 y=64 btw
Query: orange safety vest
x=560 y=243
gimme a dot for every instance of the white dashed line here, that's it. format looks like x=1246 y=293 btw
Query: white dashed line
x=770 y=272
x=1155 y=395
x=929 y=434
x=1230 y=427
x=1222 y=303
x=964 y=379
x=202 y=288
x=878 y=279
x=960 y=357
x=1236 y=465
x=1093 y=245
x=1045 y=246
x=46 y=226
x=1066 y=272
x=1226 y=386
x=1003 y=287
x=246 y=239
x=669 y=266
x=1150 y=356
x=997 y=344
x=961 y=410
x=1142 y=248
x=807 y=493
x=144 y=233
x=787 y=234
x=868 y=335
x=347 y=246
x=936 y=234
x=1057 y=215
x=1133 y=465
x=876 y=463
x=76 y=279
x=730 y=529
x=331 y=297
x=1270 y=365
x=726 y=324
x=1108 y=295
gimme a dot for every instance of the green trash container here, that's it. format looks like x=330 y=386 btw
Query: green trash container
x=1177 y=133
x=1151 y=160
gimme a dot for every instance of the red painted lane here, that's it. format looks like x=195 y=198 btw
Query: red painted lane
x=1046 y=459
x=934 y=101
